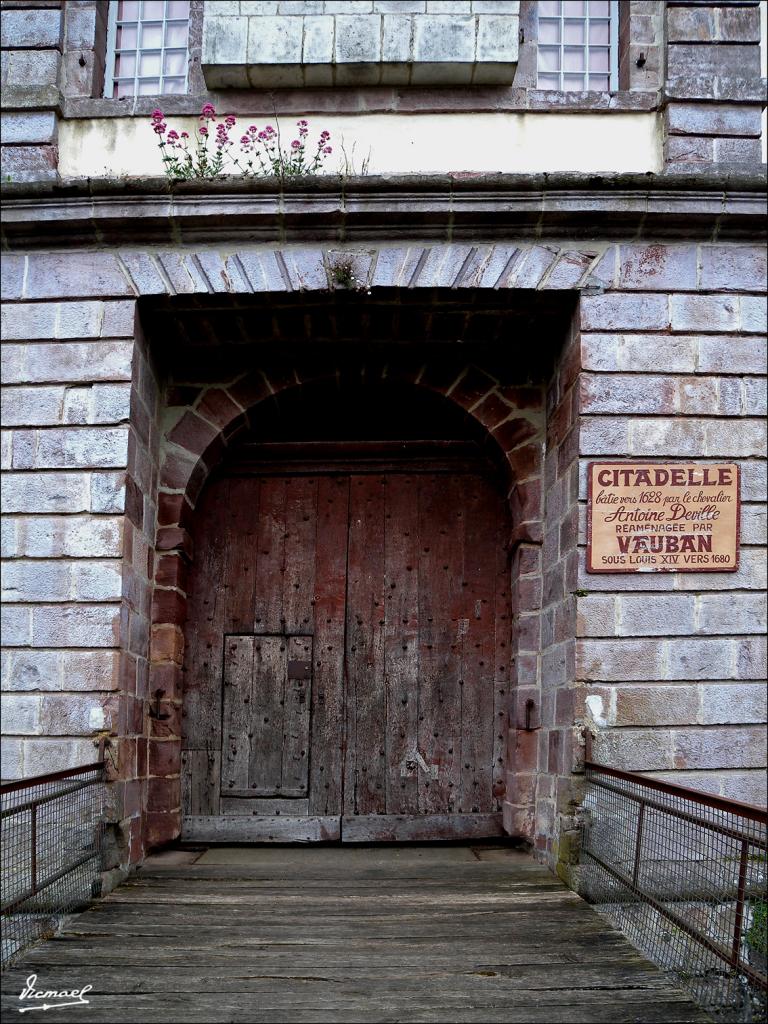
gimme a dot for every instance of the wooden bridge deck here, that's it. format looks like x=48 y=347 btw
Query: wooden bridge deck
x=417 y=933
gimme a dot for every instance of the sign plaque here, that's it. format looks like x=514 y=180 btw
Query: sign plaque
x=653 y=517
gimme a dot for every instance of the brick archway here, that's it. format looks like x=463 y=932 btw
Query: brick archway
x=201 y=429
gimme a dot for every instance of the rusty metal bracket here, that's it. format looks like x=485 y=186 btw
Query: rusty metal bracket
x=155 y=712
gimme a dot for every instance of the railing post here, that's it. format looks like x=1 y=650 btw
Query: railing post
x=638 y=842
x=736 y=949
x=33 y=848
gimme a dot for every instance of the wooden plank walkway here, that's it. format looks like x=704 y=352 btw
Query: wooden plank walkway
x=402 y=933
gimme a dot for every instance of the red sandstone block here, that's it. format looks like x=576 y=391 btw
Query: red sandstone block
x=130 y=797
x=141 y=757
x=167 y=644
x=168 y=727
x=170 y=508
x=174 y=538
x=135 y=841
x=218 y=408
x=513 y=432
x=474 y=385
x=491 y=411
x=176 y=470
x=525 y=461
x=164 y=757
x=166 y=677
x=250 y=389
x=171 y=571
x=169 y=606
x=163 y=794
x=193 y=433
x=161 y=827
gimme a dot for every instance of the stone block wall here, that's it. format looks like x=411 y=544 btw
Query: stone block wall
x=31 y=41
x=678 y=662
x=365 y=42
x=714 y=93
x=665 y=361
x=66 y=369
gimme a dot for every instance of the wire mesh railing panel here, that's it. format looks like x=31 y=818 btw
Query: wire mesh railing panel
x=51 y=846
x=684 y=877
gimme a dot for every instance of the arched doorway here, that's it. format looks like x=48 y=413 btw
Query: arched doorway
x=347 y=641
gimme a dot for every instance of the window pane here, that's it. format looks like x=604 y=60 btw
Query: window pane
x=573 y=60
x=573 y=83
x=574 y=32
x=599 y=8
x=149 y=87
x=549 y=82
x=125 y=65
x=126 y=37
x=151 y=37
x=599 y=32
x=152 y=10
x=175 y=63
x=149 y=64
x=549 y=58
x=573 y=7
x=598 y=60
x=173 y=85
x=549 y=31
x=178 y=9
x=128 y=10
x=175 y=35
x=124 y=89
x=549 y=8
x=599 y=82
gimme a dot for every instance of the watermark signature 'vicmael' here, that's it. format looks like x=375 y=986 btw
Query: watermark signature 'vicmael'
x=74 y=997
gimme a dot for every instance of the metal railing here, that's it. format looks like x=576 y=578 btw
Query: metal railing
x=683 y=875
x=51 y=834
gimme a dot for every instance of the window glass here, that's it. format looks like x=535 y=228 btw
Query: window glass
x=578 y=45
x=147 y=47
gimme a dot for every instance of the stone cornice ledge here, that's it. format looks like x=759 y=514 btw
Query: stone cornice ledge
x=719 y=204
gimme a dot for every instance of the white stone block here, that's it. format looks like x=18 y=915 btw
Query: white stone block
x=358 y=39
x=274 y=40
x=318 y=40
x=396 y=38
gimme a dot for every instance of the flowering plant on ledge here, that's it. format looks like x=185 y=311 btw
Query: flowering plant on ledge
x=212 y=153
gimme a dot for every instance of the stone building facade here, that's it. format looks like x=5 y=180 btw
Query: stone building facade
x=579 y=273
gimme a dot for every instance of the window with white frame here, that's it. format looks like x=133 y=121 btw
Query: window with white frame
x=578 y=45
x=147 y=52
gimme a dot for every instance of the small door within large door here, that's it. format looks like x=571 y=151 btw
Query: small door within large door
x=347 y=653
x=265 y=726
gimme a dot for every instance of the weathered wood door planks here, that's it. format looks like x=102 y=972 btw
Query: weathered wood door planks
x=347 y=654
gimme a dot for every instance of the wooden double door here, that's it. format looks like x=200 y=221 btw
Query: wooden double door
x=347 y=654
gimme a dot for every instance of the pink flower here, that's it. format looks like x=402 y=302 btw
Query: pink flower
x=328 y=149
x=159 y=127
x=185 y=135
x=173 y=136
x=303 y=127
x=295 y=144
x=208 y=111
x=230 y=121
x=157 y=115
x=245 y=140
x=253 y=129
x=203 y=130
x=325 y=135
